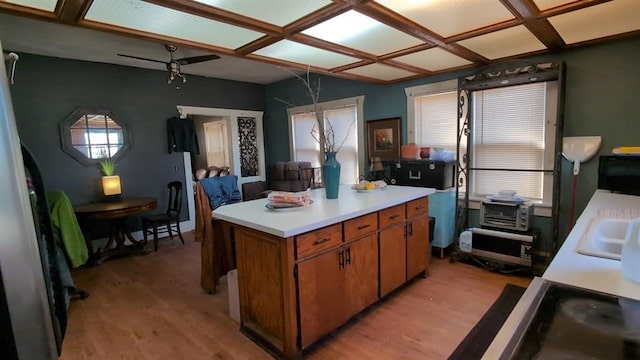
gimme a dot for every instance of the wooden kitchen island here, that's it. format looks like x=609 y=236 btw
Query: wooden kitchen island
x=304 y=272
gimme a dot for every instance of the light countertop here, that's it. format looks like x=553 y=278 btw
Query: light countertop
x=575 y=269
x=322 y=212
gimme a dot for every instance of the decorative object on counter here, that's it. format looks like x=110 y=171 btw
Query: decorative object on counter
x=425 y=152
x=578 y=149
x=410 y=151
x=369 y=186
x=626 y=150
x=110 y=183
x=377 y=170
x=383 y=138
x=331 y=175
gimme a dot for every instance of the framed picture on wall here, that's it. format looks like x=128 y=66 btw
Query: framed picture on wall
x=383 y=138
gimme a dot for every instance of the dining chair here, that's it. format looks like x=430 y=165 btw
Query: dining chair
x=169 y=222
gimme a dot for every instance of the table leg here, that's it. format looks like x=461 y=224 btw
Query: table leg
x=119 y=234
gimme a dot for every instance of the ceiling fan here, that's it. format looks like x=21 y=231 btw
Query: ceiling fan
x=173 y=65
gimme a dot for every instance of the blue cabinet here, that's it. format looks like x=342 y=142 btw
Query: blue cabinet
x=442 y=206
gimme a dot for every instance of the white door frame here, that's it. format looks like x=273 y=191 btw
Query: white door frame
x=230 y=115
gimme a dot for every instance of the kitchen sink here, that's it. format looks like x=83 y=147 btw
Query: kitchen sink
x=604 y=238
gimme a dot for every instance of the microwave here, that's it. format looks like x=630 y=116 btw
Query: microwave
x=506 y=215
x=619 y=173
x=502 y=246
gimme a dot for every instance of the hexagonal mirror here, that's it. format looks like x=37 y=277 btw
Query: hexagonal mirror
x=89 y=135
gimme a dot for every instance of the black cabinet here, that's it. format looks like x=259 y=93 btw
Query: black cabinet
x=423 y=173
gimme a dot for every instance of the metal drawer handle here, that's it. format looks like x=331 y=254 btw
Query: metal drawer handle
x=392 y=217
x=419 y=207
x=363 y=227
x=318 y=242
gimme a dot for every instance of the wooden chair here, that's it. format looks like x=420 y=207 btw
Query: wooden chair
x=169 y=222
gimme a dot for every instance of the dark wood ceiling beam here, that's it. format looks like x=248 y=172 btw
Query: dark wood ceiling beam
x=351 y=66
x=161 y=39
x=329 y=46
x=258 y=44
x=527 y=11
x=17 y=10
x=407 y=51
x=315 y=18
x=562 y=9
x=407 y=26
x=71 y=11
x=403 y=66
x=210 y=12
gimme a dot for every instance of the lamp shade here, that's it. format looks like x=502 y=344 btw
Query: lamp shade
x=111 y=185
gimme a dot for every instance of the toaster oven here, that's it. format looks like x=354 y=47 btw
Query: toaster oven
x=506 y=215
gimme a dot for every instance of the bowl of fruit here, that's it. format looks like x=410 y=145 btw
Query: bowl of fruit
x=369 y=186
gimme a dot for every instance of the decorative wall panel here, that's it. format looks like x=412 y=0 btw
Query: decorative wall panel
x=248 y=135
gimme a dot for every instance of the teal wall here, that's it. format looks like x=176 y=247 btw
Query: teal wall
x=602 y=87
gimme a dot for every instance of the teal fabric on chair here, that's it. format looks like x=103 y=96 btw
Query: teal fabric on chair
x=66 y=229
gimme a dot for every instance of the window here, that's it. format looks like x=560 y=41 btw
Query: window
x=345 y=117
x=514 y=128
x=432 y=114
x=89 y=135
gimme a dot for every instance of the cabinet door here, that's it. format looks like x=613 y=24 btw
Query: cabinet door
x=361 y=274
x=393 y=258
x=320 y=284
x=417 y=245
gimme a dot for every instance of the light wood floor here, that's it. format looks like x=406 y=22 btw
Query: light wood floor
x=152 y=307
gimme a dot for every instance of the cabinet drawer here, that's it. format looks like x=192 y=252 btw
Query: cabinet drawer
x=359 y=226
x=316 y=241
x=392 y=215
x=417 y=207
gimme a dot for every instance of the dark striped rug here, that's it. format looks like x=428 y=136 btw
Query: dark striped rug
x=480 y=337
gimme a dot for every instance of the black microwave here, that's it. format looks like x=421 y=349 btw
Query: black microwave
x=619 y=173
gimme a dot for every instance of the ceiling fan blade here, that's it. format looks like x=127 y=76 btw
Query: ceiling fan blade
x=141 y=58
x=196 y=59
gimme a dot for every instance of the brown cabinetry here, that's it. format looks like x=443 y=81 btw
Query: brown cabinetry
x=295 y=290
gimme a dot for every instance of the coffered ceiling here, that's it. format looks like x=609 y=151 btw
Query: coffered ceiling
x=380 y=41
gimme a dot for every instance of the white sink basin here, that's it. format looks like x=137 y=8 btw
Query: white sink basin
x=604 y=238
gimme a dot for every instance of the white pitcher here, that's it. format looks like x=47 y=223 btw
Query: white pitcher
x=631 y=253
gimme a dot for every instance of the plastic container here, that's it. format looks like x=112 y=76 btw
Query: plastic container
x=466 y=238
x=410 y=151
x=630 y=260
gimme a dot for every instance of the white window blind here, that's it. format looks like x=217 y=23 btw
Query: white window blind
x=509 y=133
x=343 y=120
x=436 y=116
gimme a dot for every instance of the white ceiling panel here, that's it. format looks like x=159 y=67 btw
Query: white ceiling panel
x=47 y=5
x=361 y=32
x=450 y=17
x=381 y=72
x=548 y=4
x=148 y=17
x=433 y=59
x=613 y=17
x=503 y=43
x=304 y=54
x=270 y=11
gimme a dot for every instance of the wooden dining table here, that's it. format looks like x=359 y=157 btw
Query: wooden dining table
x=116 y=213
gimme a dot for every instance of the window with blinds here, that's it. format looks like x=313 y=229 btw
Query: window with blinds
x=343 y=119
x=509 y=132
x=437 y=114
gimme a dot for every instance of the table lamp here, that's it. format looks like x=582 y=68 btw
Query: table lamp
x=111 y=185
x=376 y=170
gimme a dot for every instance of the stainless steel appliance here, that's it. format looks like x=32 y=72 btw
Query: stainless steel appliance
x=565 y=322
x=619 y=173
x=502 y=246
x=506 y=215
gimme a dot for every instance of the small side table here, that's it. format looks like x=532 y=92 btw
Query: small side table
x=116 y=213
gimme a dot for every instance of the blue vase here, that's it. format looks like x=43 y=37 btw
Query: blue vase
x=331 y=175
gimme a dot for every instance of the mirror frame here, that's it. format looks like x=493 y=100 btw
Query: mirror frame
x=65 y=135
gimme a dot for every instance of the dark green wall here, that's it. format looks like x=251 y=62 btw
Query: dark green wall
x=48 y=89
x=602 y=87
